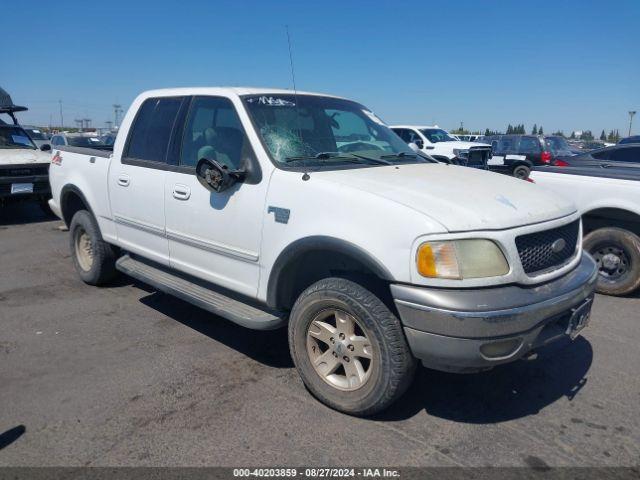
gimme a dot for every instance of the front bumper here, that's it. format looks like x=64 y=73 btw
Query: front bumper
x=41 y=187
x=475 y=329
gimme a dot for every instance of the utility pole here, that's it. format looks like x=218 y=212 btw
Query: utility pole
x=61 y=117
x=631 y=114
x=117 y=110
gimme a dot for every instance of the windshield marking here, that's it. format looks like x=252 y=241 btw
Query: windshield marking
x=272 y=101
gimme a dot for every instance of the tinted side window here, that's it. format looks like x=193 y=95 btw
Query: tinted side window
x=626 y=155
x=213 y=130
x=402 y=133
x=413 y=136
x=151 y=131
x=529 y=145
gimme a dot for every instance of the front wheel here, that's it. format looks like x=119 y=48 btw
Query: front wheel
x=349 y=348
x=617 y=253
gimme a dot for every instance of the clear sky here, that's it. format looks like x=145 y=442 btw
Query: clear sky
x=570 y=65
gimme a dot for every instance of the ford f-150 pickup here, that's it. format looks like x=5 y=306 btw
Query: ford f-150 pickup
x=273 y=208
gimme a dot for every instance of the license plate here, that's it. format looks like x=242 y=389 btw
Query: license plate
x=22 y=188
x=579 y=318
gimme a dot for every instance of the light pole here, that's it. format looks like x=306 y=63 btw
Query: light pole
x=631 y=114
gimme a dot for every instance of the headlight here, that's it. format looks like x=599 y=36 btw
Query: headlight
x=460 y=259
x=460 y=153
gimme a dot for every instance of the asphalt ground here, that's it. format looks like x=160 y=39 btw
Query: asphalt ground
x=125 y=375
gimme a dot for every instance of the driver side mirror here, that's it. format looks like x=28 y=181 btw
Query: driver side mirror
x=416 y=145
x=45 y=147
x=217 y=177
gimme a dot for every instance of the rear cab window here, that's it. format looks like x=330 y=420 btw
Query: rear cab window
x=151 y=132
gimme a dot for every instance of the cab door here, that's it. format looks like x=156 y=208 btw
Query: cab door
x=216 y=236
x=136 y=182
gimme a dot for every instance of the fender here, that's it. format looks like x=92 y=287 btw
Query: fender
x=66 y=190
x=314 y=243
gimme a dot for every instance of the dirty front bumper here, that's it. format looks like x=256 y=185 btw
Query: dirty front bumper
x=35 y=175
x=474 y=329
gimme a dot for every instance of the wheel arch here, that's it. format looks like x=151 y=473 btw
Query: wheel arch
x=604 y=217
x=72 y=200
x=310 y=259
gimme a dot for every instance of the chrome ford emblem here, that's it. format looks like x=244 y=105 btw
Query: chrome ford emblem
x=558 y=245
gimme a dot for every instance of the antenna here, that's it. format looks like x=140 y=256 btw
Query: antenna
x=293 y=75
x=305 y=176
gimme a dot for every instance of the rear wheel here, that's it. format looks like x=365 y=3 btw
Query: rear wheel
x=349 y=348
x=617 y=253
x=93 y=258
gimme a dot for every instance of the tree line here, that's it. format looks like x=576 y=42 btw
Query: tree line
x=613 y=136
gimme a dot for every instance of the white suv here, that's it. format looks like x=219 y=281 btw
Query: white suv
x=441 y=145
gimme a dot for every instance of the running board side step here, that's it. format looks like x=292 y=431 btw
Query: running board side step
x=199 y=294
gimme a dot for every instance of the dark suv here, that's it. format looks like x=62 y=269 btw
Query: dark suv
x=531 y=150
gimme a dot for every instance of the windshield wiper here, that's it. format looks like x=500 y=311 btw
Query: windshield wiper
x=377 y=161
x=400 y=155
x=351 y=157
x=319 y=156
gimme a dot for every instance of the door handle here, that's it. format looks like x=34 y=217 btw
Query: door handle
x=181 y=192
x=124 y=180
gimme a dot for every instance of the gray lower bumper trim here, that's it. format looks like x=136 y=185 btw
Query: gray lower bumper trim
x=493 y=312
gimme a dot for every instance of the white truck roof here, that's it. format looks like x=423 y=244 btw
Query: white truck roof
x=167 y=92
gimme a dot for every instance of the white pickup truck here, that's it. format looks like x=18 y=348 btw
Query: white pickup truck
x=24 y=167
x=439 y=144
x=273 y=208
x=609 y=199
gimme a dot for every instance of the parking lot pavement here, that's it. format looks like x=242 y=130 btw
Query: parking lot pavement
x=128 y=376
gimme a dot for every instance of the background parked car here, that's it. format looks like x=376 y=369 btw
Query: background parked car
x=77 y=140
x=38 y=136
x=592 y=145
x=108 y=139
x=530 y=150
x=621 y=155
x=632 y=139
x=439 y=144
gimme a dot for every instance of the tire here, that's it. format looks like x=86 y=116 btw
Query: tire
x=93 y=258
x=522 y=172
x=620 y=271
x=389 y=371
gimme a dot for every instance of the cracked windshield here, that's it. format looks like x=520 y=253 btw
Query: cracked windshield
x=320 y=131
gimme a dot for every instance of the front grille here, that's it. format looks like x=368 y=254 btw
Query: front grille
x=537 y=252
x=478 y=157
x=24 y=171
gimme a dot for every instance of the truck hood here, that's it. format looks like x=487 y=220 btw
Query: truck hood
x=20 y=156
x=459 y=198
